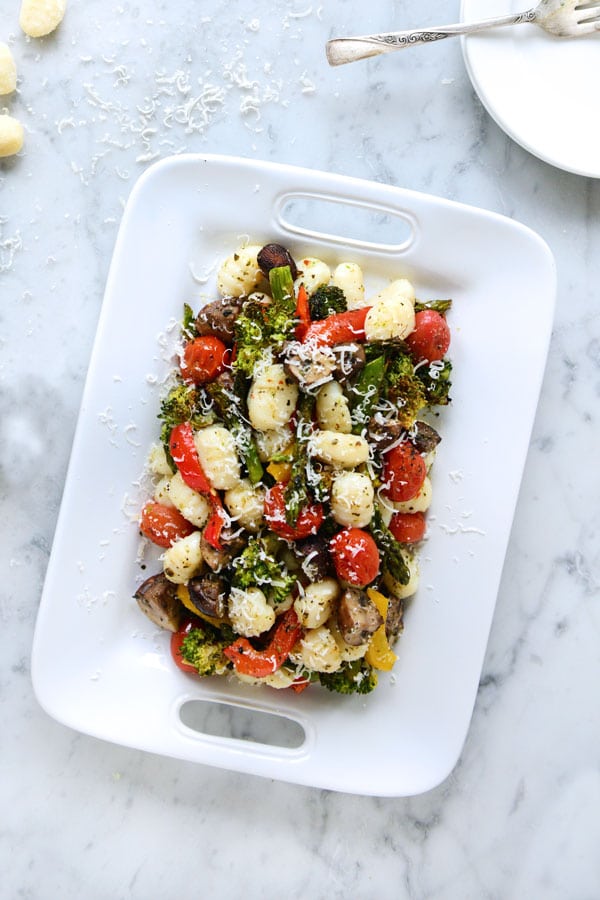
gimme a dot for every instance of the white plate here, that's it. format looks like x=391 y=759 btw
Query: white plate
x=541 y=90
x=100 y=667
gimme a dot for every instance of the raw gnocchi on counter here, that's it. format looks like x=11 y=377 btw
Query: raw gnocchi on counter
x=292 y=473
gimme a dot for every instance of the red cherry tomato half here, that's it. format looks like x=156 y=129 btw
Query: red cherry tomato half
x=430 y=337
x=404 y=472
x=163 y=525
x=177 y=639
x=355 y=556
x=408 y=528
x=203 y=359
x=308 y=522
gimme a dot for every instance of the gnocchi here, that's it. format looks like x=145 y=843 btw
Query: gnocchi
x=333 y=411
x=272 y=398
x=352 y=499
x=218 y=456
x=344 y=450
x=183 y=559
x=314 y=606
x=314 y=273
x=41 y=17
x=158 y=463
x=349 y=278
x=11 y=136
x=8 y=70
x=318 y=651
x=250 y=612
x=272 y=442
x=392 y=312
x=162 y=492
x=246 y=504
x=240 y=273
x=192 y=505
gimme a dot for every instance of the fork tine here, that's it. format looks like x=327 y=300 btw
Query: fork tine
x=590 y=15
x=588 y=27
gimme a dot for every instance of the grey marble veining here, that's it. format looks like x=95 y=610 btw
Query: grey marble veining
x=118 y=86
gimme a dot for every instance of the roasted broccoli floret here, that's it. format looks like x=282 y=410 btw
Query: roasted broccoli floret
x=326 y=301
x=399 y=365
x=261 y=325
x=435 y=379
x=400 y=386
x=178 y=406
x=408 y=395
x=203 y=648
x=183 y=403
x=258 y=566
x=356 y=677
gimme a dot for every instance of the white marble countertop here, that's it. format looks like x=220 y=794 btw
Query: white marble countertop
x=119 y=85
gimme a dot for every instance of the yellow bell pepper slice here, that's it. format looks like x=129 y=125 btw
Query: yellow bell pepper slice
x=281 y=471
x=379 y=654
x=184 y=596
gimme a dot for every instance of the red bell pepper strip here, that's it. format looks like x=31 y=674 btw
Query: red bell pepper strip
x=214 y=526
x=338 y=328
x=302 y=313
x=185 y=456
x=299 y=684
x=260 y=663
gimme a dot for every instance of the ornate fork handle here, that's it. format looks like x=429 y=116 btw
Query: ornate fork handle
x=345 y=50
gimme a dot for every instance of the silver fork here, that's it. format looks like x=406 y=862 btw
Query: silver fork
x=565 y=18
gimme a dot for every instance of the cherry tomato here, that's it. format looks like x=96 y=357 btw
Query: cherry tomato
x=430 y=337
x=203 y=359
x=355 y=556
x=177 y=639
x=408 y=528
x=308 y=522
x=404 y=472
x=163 y=525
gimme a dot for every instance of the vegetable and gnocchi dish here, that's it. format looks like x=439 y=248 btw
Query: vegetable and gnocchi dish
x=291 y=480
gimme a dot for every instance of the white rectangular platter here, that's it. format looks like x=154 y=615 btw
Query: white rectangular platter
x=100 y=667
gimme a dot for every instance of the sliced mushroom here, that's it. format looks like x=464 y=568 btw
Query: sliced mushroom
x=157 y=598
x=358 y=618
x=426 y=438
x=314 y=557
x=394 y=619
x=310 y=366
x=208 y=593
x=219 y=318
x=349 y=360
x=383 y=432
x=231 y=543
x=272 y=256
